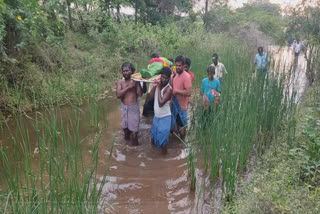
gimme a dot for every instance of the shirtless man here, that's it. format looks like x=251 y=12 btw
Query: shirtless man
x=129 y=91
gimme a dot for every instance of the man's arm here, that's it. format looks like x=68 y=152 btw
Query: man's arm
x=224 y=70
x=138 y=89
x=120 y=92
x=166 y=96
x=144 y=88
x=184 y=92
x=150 y=95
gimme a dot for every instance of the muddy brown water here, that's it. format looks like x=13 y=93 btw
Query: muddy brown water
x=140 y=179
x=293 y=67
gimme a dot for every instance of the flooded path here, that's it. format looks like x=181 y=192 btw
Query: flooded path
x=140 y=179
x=294 y=68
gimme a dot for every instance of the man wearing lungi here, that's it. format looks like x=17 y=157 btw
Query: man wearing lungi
x=161 y=92
x=129 y=91
x=181 y=84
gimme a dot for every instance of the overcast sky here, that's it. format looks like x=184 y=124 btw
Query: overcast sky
x=283 y=3
x=239 y=3
x=232 y=3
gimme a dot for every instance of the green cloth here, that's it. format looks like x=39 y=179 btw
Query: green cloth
x=152 y=70
x=167 y=61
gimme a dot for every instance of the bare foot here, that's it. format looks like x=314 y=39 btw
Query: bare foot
x=182 y=132
x=127 y=134
x=134 y=139
x=135 y=143
x=164 y=150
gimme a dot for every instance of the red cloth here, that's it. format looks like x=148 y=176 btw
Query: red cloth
x=191 y=75
x=156 y=60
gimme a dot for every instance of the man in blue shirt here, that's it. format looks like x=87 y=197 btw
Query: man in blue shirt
x=261 y=61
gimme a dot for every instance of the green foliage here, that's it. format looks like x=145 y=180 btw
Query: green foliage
x=59 y=73
x=266 y=15
x=286 y=178
x=156 y=12
x=220 y=19
x=309 y=150
x=128 y=37
x=249 y=113
x=26 y=24
x=61 y=180
x=304 y=22
x=2 y=27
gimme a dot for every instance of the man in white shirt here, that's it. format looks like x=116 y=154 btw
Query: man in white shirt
x=220 y=70
x=297 y=47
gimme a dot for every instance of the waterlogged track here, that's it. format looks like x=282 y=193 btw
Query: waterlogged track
x=139 y=179
x=142 y=180
x=293 y=67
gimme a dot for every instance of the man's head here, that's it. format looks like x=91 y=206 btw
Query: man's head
x=215 y=58
x=155 y=55
x=260 y=50
x=127 y=70
x=211 y=72
x=165 y=76
x=187 y=64
x=179 y=61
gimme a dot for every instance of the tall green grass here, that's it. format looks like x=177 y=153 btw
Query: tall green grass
x=249 y=115
x=48 y=173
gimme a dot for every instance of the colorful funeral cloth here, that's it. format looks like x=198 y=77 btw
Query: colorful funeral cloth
x=155 y=66
x=210 y=97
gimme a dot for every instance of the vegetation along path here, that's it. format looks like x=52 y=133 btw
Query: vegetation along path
x=139 y=179
x=61 y=144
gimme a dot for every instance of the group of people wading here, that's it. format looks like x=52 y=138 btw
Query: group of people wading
x=170 y=95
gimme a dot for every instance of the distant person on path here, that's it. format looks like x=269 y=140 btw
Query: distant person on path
x=187 y=66
x=261 y=61
x=161 y=92
x=297 y=46
x=220 y=70
x=181 y=92
x=209 y=87
x=128 y=92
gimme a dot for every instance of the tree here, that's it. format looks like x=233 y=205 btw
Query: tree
x=304 y=24
x=209 y=5
x=69 y=14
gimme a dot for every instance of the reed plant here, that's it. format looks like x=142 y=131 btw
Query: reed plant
x=249 y=115
x=48 y=173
